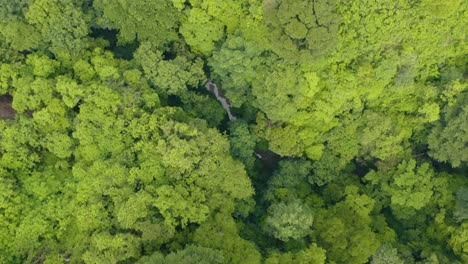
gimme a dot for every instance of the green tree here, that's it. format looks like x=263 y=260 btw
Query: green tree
x=458 y=241
x=221 y=233
x=461 y=212
x=190 y=254
x=131 y=19
x=203 y=106
x=290 y=181
x=345 y=230
x=235 y=64
x=449 y=139
x=201 y=31
x=302 y=30
x=242 y=143
x=312 y=254
x=169 y=76
x=291 y=220
x=386 y=254
x=209 y=21
x=409 y=187
x=63 y=26
x=20 y=36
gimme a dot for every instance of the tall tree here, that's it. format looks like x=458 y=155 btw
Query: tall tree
x=131 y=19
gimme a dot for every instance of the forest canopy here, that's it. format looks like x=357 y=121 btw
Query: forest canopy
x=235 y=131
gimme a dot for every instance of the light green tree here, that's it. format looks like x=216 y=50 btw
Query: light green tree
x=292 y=220
x=312 y=254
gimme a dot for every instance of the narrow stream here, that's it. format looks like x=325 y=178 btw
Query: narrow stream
x=212 y=87
x=269 y=158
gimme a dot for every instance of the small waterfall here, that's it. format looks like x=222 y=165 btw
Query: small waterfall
x=212 y=87
x=270 y=159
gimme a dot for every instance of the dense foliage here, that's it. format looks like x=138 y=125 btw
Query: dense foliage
x=350 y=142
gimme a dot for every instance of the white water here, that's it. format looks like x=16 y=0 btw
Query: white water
x=266 y=155
x=212 y=87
